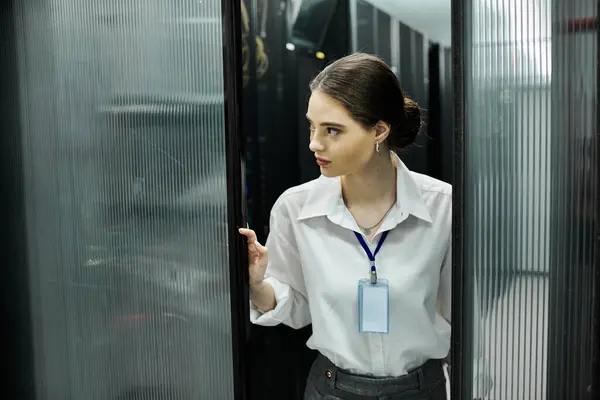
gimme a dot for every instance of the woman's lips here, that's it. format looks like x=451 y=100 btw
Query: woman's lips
x=323 y=162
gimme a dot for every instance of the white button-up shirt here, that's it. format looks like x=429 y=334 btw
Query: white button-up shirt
x=316 y=261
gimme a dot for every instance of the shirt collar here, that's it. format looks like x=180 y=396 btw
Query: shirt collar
x=325 y=197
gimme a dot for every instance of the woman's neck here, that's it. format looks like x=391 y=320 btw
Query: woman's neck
x=374 y=185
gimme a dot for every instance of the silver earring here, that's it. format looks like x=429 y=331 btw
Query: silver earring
x=377 y=147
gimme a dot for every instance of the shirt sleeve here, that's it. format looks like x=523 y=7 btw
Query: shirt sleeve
x=284 y=274
x=482 y=381
x=444 y=297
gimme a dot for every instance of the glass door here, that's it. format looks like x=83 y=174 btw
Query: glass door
x=131 y=188
x=527 y=199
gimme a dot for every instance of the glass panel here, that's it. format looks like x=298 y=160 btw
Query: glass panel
x=574 y=264
x=383 y=26
x=365 y=32
x=413 y=75
x=531 y=180
x=447 y=114
x=406 y=64
x=124 y=151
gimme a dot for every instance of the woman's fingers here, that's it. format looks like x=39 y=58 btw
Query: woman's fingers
x=255 y=249
x=249 y=233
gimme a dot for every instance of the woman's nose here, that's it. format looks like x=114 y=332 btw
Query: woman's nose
x=315 y=145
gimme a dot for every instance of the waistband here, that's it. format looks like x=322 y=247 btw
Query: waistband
x=325 y=374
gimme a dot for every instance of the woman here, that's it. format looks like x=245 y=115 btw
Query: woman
x=363 y=252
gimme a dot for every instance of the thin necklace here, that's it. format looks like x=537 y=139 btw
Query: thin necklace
x=367 y=231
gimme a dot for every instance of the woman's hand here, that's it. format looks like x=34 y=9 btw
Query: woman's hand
x=258 y=257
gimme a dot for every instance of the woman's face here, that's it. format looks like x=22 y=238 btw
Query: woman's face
x=341 y=145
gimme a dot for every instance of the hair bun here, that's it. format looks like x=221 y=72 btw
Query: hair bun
x=406 y=131
x=414 y=120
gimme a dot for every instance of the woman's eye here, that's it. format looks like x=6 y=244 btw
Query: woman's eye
x=332 y=131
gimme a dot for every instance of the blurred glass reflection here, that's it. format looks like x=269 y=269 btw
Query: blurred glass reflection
x=124 y=149
x=531 y=155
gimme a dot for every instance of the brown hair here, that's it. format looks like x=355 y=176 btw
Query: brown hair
x=370 y=91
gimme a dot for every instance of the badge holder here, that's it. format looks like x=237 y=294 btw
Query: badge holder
x=373 y=295
x=373 y=305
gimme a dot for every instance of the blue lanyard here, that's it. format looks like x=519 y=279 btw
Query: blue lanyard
x=372 y=255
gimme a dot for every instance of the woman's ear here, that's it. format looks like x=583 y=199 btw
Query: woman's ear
x=382 y=131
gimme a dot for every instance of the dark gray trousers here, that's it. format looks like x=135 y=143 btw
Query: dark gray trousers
x=327 y=382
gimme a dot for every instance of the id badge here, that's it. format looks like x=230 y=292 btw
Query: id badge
x=373 y=306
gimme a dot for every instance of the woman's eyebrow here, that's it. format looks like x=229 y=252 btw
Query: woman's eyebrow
x=332 y=124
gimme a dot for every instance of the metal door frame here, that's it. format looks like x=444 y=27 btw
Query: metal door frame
x=236 y=194
x=17 y=336
x=462 y=283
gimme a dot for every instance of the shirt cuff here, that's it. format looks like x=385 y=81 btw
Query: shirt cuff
x=277 y=315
